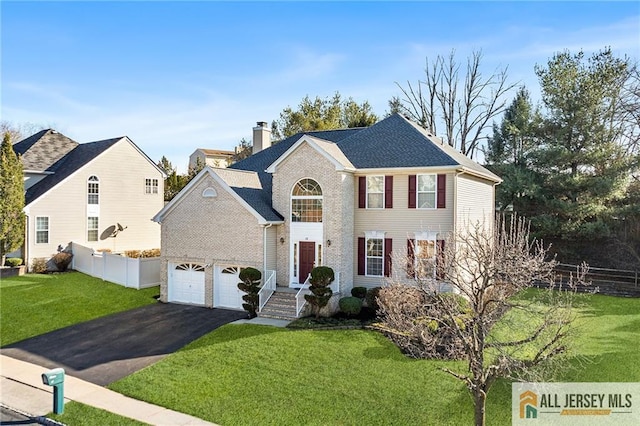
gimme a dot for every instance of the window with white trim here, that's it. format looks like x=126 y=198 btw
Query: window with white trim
x=151 y=186
x=93 y=190
x=425 y=251
x=375 y=192
x=306 y=201
x=374 y=258
x=92 y=228
x=42 y=230
x=426 y=190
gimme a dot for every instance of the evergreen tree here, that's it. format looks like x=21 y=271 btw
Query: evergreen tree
x=509 y=155
x=11 y=199
x=322 y=114
x=585 y=168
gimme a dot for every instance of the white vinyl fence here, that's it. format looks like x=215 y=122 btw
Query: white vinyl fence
x=129 y=272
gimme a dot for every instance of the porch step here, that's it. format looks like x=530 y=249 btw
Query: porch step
x=281 y=305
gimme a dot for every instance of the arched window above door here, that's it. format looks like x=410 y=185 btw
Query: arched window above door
x=306 y=201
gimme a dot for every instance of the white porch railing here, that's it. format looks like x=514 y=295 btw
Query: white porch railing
x=267 y=290
x=301 y=301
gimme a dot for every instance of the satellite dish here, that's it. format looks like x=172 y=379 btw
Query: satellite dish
x=120 y=228
x=107 y=233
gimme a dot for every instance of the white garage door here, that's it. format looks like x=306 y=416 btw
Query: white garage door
x=186 y=283
x=228 y=295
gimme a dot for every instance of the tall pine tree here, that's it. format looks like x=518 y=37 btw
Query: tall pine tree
x=584 y=167
x=11 y=199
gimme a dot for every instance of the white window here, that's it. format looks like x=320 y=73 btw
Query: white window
x=92 y=228
x=425 y=250
x=375 y=192
x=151 y=186
x=374 y=257
x=426 y=191
x=306 y=201
x=93 y=190
x=42 y=230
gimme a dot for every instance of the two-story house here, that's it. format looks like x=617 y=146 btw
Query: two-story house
x=100 y=194
x=345 y=198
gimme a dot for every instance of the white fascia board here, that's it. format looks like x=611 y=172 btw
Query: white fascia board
x=472 y=172
x=307 y=139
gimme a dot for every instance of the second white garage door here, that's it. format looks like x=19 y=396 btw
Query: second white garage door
x=226 y=291
x=186 y=283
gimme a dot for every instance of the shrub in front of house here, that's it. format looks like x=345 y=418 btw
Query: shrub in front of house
x=371 y=299
x=350 y=305
x=12 y=262
x=321 y=277
x=251 y=286
x=62 y=260
x=39 y=265
x=359 y=292
x=136 y=254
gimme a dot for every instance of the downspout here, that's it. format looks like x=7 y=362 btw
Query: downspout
x=264 y=250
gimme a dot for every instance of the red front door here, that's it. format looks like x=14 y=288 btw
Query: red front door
x=307 y=260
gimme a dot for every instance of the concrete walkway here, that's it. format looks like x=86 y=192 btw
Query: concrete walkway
x=21 y=388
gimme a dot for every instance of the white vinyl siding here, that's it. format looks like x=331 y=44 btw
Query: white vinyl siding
x=121 y=170
x=475 y=201
x=42 y=230
x=401 y=222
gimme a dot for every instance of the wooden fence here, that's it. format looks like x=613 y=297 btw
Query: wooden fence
x=608 y=281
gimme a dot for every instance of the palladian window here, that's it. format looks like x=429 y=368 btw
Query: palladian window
x=306 y=201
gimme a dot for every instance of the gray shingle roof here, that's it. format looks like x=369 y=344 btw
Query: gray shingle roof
x=41 y=151
x=64 y=167
x=394 y=142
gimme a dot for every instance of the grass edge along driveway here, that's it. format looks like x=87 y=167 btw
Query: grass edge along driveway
x=35 y=304
x=249 y=374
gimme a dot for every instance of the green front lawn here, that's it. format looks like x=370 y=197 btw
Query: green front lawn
x=34 y=304
x=77 y=414
x=249 y=374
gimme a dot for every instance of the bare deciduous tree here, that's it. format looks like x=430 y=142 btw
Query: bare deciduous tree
x=465 y=112
x=489 y=323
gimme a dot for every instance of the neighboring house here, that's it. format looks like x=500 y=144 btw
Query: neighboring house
x=82 y=192
x=211 y=158
x=345 y=198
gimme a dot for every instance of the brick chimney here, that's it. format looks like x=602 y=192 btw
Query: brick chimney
x=261 y=137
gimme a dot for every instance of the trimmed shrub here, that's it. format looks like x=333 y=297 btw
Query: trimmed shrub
x=133 y=254
x=321 y=277
x=12 y=261
x=251 y=285
x=151 y=253
x=350 y=305
x=104 y=250
x=62 y=260
x=39 y=265
x=359 y=292
x=371 y=299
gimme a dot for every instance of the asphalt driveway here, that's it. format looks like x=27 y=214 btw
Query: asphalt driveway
x=107 y=349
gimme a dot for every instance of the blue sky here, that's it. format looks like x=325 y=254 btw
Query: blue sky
x=176 y=76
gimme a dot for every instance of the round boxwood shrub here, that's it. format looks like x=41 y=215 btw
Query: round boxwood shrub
x=350 y=305
x=12 y=262
x=359 y=292
x=372 y=298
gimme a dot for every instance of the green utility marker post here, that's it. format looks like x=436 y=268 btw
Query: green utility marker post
x=55 y=378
